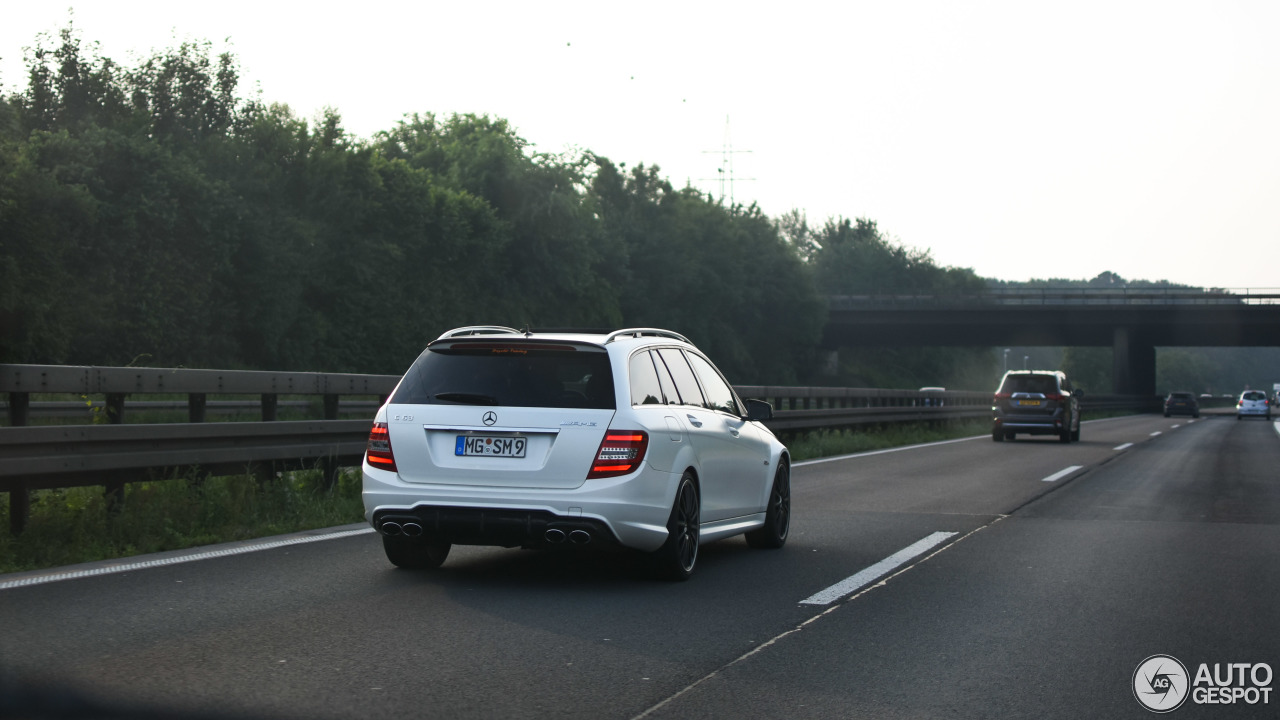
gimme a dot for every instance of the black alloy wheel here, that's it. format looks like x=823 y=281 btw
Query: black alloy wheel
x=415 y=553
x=777 y=519
x=677 y=557
x=997 y=435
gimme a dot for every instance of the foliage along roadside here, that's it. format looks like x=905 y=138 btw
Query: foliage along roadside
x=154 y=209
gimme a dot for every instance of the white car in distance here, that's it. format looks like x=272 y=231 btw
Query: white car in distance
x=1253 y=403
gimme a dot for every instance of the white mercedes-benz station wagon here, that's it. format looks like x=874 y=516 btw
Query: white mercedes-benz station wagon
x=509 y=438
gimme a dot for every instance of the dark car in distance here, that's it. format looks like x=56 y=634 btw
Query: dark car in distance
x=1036 y=402
x=1181 y=403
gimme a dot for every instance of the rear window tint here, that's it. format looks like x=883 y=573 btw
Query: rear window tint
x=508 y=376
x=1044 y=384
x=1256 y=395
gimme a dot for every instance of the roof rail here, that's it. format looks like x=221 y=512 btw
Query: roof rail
x=638 y=332
x=479 y=330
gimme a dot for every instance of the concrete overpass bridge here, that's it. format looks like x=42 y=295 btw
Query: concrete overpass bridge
x=1132 y=321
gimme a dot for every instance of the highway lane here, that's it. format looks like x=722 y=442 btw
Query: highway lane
x=330 y=630
x=1170 y=548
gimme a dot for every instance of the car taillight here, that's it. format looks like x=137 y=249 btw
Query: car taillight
x=620 y=453
x=378 y=452
x=1053 y=396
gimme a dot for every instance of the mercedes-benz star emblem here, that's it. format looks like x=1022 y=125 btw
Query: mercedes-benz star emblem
x=490 y=418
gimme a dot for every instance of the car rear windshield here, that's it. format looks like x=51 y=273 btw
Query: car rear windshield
x=509 y=375
x=1255 y=395
x=1180 y=396
x=1043 y=384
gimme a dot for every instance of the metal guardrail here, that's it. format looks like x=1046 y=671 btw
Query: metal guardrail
x=21 y=381
x=33 y=458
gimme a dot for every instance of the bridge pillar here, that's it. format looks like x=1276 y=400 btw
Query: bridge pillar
x=1133 y=363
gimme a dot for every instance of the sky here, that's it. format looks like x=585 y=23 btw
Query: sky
x=1022 y=140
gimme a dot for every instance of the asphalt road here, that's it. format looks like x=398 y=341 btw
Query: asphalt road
x=1056 y=570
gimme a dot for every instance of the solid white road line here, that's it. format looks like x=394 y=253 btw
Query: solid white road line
x=853 y=582
x=869 y=453
x=174 y=560
x=1125 y=446
x=1061 y=474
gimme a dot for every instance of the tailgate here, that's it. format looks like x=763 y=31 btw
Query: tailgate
x=489 y=446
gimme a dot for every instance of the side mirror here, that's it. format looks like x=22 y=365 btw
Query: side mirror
x=1077 y=393
x=758 y=410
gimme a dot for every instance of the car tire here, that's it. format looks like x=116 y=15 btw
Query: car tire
x=1075 y=434
x=997 y=436
x=1010 y=436
x=777 y=519
x=1065 y=435
x=677 y=557
x=415 y=553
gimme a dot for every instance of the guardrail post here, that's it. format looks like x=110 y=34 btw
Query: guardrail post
x=269 y=403
x=19 y=408
x=19 y=507
x=115 y=408
x=329 y=472
x=196 y=404
x=114 y=493
x=330 y=406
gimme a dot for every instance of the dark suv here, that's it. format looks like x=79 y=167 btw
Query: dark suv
x=1035 y=402
x=1181 y=403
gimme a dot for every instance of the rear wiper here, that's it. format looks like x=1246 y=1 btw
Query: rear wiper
x=468 y=398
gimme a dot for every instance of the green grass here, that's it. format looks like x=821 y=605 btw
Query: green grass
x=75 y=525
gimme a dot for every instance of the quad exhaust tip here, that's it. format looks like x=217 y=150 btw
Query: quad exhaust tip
x=579 y=537
x=411 y=530
x=555 y=536
x=392 y=529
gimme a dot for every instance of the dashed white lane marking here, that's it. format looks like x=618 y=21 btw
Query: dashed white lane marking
x=853 y=582
x=174 y=560
x=1156 y=433
x=1061 y=474
x=1175 y=427
x=1125 y=446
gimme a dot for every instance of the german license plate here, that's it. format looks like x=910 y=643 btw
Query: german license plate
x=1028 y=402
x=490 y=446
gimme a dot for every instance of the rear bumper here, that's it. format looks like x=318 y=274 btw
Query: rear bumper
x=631 y=510
x=1029 y=424
x=492 y=526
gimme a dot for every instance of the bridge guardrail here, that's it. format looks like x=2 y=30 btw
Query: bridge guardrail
x=41 y=457
x=1063 y=296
